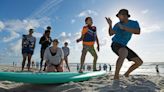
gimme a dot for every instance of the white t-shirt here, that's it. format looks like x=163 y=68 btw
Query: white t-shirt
x=56 y=59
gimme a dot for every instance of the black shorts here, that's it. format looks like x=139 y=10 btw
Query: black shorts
x=27 y=51
x=116 y=46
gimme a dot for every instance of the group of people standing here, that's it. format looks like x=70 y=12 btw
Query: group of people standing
x=54 y=56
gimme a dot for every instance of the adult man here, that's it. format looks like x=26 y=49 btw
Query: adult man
x=122 y=32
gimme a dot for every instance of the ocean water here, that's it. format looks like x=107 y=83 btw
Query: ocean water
x=148 y=68
x=145 y=69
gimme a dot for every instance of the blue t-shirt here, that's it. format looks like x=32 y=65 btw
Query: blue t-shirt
x=121 y=36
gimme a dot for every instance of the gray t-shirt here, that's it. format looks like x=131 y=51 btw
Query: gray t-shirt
x=56 y=59
x=66 y=51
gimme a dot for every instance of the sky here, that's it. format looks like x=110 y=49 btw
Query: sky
x=66 y=17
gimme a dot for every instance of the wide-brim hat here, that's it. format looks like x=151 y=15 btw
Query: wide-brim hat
x=123 y=12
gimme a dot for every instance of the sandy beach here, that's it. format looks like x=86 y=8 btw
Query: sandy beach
x=135 y=83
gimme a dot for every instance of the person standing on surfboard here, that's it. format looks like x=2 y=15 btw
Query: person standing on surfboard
x=66 y=54
x=28 y=45
x=54 y=57
x=89 y=36
x=122 y=32
x=45 y=42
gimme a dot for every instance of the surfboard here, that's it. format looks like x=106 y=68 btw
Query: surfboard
x=49 y=78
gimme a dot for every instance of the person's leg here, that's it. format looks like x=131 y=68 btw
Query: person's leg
x=94 y=54
x=59 y=69
x=24 y=60
x=66 y=61
x=50 y=68
x=137 y=62
x=84 y=52
x=29 y=61
x=45 y=65
x=41 y=63
x=122 y=53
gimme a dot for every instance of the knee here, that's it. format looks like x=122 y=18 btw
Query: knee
x=96 y=57
x=83 y=56
x=123 y=53
x=139 y=62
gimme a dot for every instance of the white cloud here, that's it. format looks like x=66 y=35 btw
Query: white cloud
x=1 y=25
x=149 y=29
x=17 y=27
x=87 y=13
x=65 y=37
x=73 y=21
x=46 y=9
x=16 y=47
x=11 y=36
x=145 y=11
x=25 y=24
x=37 y=34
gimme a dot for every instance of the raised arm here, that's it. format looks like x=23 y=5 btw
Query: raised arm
x=109 y=21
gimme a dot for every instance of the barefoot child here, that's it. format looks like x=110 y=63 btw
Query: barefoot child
x=89 y=37
x=66 y=54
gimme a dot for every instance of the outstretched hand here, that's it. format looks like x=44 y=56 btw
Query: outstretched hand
x=98 y=48
x=78 y=40
x=109 y=21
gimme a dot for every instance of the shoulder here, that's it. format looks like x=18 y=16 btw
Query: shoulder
x=34 y=37
x=133 y=21
x=117 y=24
x=62 y=47
x=43 y=37
x=47 y=50
x=85 y=27
x=94 y=27
x=59 y=49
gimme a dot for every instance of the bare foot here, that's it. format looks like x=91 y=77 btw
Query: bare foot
x=81 y=71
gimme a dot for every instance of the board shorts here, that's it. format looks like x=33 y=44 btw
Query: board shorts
x=90 y=49
x=116 y=46
x=27 y=51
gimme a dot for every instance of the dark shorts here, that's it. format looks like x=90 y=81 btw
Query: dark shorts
x=27 y=51
x=116 y=46
x=42 y=53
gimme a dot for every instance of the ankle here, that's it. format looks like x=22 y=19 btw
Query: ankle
x=126 y=75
